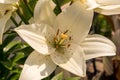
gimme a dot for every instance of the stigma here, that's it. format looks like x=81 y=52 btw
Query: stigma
x=64 y=36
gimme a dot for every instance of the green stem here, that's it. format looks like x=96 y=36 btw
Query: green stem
x=27 y=6
x=57 y=9
x=21 y=16
x=14 y=21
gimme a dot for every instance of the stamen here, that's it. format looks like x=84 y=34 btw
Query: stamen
x=56 y=46
x=61 y=39
x=6 y=12
x=65 y=31
x=55 y=39
x=70 y=38
x=57 y=32
x=68 y=45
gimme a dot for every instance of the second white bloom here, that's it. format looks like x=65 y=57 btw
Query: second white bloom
x=106 y=7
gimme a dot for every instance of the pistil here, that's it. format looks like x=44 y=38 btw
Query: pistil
x=61 y=40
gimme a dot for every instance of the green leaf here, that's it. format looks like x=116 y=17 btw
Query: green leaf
x=57 y=9
x=59 y=3
x=62 y=2
x=102 y=25
x=7 y=64
x=18 y=56
x=11 y=45
x=31 y=4
x=27 y=50
x=25 y=9
x=58 y=76
x=13 y=77
x=16 y=71
x=73 y=78
x=8 y=39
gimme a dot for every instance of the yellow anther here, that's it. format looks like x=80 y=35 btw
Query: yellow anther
x=83 y=1
x=64 y=36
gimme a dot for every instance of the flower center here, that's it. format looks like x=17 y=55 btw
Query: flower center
x=61 y=40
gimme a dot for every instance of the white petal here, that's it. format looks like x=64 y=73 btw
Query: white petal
x=108 y=2
x=112 y=7
x=8 y=1
x=76 y=19
x=3 y=21
x=4 y=8
x=44 y=12
x=37 y=67
x=90 y=4
x=108 y=7
x=108 y=10
x=36 y=36
x=97 y=45
x=72 y=59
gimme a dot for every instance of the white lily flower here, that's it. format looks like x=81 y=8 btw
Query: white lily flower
x=61 y=40
x=6 y=9
x=106 y=7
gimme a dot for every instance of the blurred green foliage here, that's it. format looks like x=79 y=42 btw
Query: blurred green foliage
x=12 y=55
x=13 y=51
x=102 y=25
